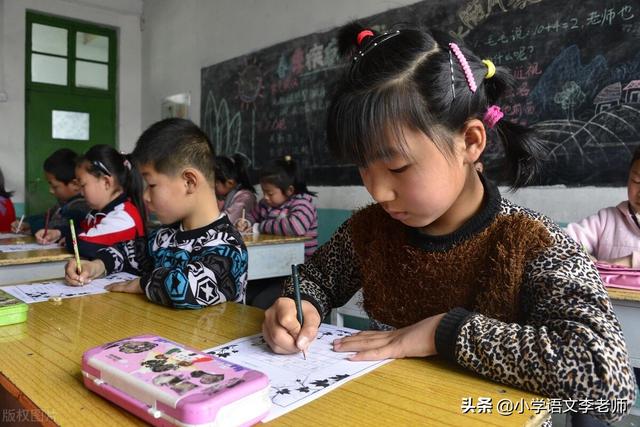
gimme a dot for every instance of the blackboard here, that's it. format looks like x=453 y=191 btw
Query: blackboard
x=577 y=65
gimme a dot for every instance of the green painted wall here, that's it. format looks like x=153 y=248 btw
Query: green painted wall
x=328 y=222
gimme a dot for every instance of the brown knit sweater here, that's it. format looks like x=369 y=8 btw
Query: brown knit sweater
x=403 y=284
x=524 y=304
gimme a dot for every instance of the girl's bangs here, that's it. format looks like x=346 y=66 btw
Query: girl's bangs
x=370 y=125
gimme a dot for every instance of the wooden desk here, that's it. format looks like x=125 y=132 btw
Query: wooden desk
x=40 y=361
x=272 y=256
x=16 y=267
x=626 y=304
x=269 y=256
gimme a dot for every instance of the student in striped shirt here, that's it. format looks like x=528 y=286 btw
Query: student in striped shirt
x=287 y=209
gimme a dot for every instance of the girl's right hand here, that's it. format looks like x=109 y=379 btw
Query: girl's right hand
x=51 y=237
x=243 y=225
x=281 y=329
x=90 y=270
x=24 y=228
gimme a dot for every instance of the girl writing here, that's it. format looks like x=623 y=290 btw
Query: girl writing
x=446 y=265
x=287 y=206
x=112 y=187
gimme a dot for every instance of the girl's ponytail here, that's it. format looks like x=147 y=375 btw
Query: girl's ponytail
x=103 y=159
x=523 y=153
x=523 y=149
x=134 y=186
x=292 y=169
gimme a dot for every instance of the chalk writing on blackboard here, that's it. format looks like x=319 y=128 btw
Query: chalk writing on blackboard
x=575 y=63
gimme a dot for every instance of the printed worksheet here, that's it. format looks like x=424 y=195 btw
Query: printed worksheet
x=294 y=380
x=44 y=291
x=21 y=247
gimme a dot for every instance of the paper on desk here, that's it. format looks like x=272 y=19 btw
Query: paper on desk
x=43 y=291
x=295 y=381
x=11 y=235
x=21 y=247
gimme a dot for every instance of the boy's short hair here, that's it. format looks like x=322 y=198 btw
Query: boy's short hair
x=171 y=145
x=61 y=164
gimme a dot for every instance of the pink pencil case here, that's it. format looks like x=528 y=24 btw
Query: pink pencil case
x=617 y=276
x=165 y=383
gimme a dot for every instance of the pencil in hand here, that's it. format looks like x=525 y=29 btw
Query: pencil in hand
x=17 y=230
x=296 y=290
x=46 y=225
x=75 y=247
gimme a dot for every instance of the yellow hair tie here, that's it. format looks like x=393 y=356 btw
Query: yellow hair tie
x=491 y=69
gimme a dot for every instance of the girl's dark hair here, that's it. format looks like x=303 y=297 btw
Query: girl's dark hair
x=404 y=79
x=61 y=164
x=282 y=173
x=103 y=160
x=636 y=156
x=3 y=192
x=234 y=167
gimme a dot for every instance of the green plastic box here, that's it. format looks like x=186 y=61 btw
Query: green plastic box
x=12 y=310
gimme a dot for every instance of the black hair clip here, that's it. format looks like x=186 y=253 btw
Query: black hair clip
x=98 y=164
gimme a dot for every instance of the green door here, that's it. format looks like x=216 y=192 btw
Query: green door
x=70 y=95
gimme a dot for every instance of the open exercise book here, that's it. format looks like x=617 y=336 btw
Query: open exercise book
x=295 y=381
x=44 y=291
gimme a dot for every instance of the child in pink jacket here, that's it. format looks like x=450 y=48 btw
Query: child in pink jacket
x=613 y=234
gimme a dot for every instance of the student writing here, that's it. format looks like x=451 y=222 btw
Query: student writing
x=446 y=265
x=197 y=258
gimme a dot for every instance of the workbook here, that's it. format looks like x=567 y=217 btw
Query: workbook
x=58 y=289
x=294 y=380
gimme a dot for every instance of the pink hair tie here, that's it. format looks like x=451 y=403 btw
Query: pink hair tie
x=492 y=116
x=362 y=34
x=465 y=66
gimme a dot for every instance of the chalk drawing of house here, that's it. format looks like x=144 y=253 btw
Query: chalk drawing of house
x=608 y=97
x=632 y=92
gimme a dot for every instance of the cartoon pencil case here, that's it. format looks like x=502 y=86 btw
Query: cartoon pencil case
x=12 y=310
x=165 y=383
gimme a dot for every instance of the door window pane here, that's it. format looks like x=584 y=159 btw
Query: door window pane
x=48 y=69
x=92 y=75
x=45 y=38
x=92 y=46
x=70 y=125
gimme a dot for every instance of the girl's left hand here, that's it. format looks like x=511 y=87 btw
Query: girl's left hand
x=128 y=286
x=417 y=340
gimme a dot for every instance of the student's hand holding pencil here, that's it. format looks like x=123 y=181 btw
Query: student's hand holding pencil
x=281 y=328
x=90 y=270
x=17 y=227
x=51 y=236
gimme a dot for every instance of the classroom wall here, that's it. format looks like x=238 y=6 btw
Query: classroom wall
x=124 y=15
x=181 y=37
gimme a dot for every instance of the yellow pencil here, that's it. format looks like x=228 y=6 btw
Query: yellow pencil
x=75 y=247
